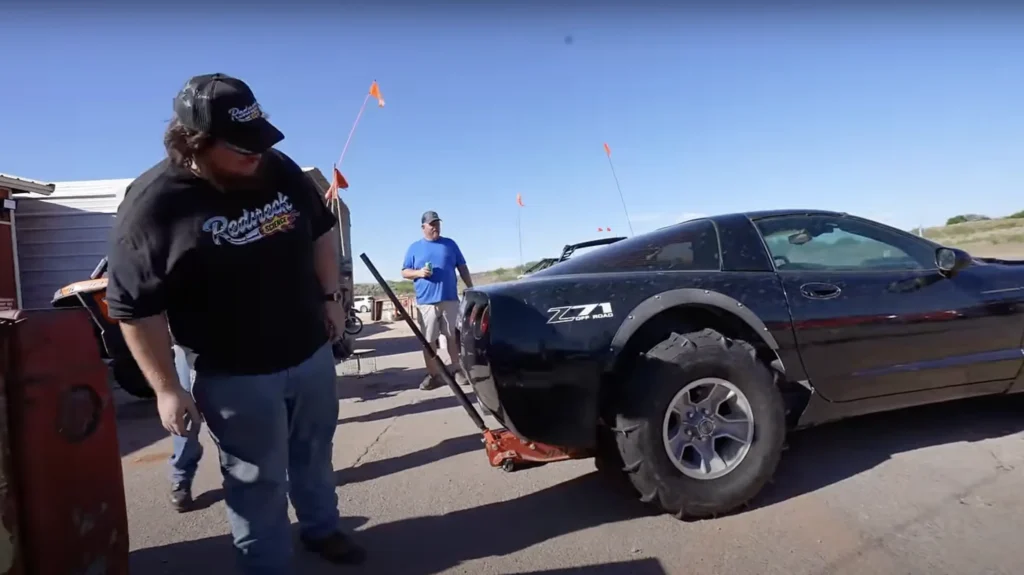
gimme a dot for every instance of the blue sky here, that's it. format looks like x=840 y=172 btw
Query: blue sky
x=903 y=117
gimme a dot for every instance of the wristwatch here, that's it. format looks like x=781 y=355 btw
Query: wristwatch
x=333 y=296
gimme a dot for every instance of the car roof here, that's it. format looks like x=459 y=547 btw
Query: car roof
x=759 y=214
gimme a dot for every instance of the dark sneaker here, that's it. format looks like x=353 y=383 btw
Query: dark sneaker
x=181 y=497
x=336 y=548
x=430 y=382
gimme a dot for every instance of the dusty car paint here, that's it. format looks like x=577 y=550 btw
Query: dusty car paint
x=860 y=341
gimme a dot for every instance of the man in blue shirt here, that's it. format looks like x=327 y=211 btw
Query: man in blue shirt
x=431 y=263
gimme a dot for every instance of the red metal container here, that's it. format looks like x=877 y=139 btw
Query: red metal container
x=10 y=537
x=64 y=451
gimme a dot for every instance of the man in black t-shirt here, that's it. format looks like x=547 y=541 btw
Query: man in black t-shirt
x=226 y=242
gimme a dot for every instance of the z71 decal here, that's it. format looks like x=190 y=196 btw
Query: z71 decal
x=565 y=314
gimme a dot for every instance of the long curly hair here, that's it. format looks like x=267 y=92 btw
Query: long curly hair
x=183 y=144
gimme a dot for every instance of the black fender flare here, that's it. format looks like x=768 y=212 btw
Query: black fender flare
x=658 y=303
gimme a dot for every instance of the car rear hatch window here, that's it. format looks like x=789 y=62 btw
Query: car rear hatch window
x=689 y=246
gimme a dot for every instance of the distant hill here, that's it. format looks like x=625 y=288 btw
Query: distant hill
x=981 y=234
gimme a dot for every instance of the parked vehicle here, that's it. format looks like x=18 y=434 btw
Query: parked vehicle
x=683 y=356
x=91 y=294
x=363 y=303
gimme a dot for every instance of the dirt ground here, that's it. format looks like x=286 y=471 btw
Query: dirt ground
x=931 y=491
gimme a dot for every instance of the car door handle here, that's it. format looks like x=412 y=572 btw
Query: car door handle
x=818 y=290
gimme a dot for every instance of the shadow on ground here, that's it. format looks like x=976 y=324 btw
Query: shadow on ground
x=385 y=346
x=382 y=467
x=371 y=327
x=374 y=469
x=819 y=457
x=384 y=383
x=442 y=541
x=447 y=541
x=635 y=567
x=430 y=404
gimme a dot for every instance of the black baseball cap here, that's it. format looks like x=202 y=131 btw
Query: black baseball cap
x=429 y=217
x=226 y=109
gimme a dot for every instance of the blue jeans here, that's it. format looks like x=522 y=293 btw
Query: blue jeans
x=275 y=433
x=187 y=449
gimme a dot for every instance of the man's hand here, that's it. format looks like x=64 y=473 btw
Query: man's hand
x=411 y=274
x=335 y=319
x=149 y=340
x=172 y=405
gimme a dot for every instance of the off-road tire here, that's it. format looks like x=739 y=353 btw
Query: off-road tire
x=659 y=375
x=606 y=456
x=129 y=377
x=609 y=463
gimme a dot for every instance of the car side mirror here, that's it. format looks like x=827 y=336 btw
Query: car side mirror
x=951 y=260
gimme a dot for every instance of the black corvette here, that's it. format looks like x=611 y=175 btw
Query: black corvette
x=682 y=356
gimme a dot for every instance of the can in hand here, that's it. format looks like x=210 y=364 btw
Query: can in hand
x=429 y=267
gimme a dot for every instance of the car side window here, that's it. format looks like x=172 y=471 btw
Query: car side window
x=840 y=244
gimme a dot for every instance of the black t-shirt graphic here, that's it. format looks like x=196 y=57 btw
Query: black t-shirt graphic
x=233 y=271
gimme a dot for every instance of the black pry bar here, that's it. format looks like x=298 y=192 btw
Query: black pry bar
x=459 y=394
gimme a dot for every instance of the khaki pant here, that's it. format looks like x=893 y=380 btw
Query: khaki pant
x=437 y=319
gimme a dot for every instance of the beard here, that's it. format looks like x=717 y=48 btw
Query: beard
x=233 y=182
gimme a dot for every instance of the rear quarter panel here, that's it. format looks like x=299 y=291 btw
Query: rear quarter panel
x=546 y=367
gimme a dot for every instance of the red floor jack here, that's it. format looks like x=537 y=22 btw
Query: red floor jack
x=504 y=448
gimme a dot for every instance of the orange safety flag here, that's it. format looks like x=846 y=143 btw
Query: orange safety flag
x=607 y=150
x=519 y=200
x=338 y=182
x=375 y=92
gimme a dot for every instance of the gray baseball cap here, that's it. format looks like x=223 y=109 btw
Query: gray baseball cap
x=429 y=217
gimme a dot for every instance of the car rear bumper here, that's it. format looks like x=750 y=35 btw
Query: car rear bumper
x=550 y=401
x=474 y=359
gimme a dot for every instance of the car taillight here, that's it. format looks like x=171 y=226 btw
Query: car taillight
x=478 y=320
x=485 y=322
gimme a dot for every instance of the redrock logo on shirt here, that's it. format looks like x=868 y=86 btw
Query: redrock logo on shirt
x=253 y=225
